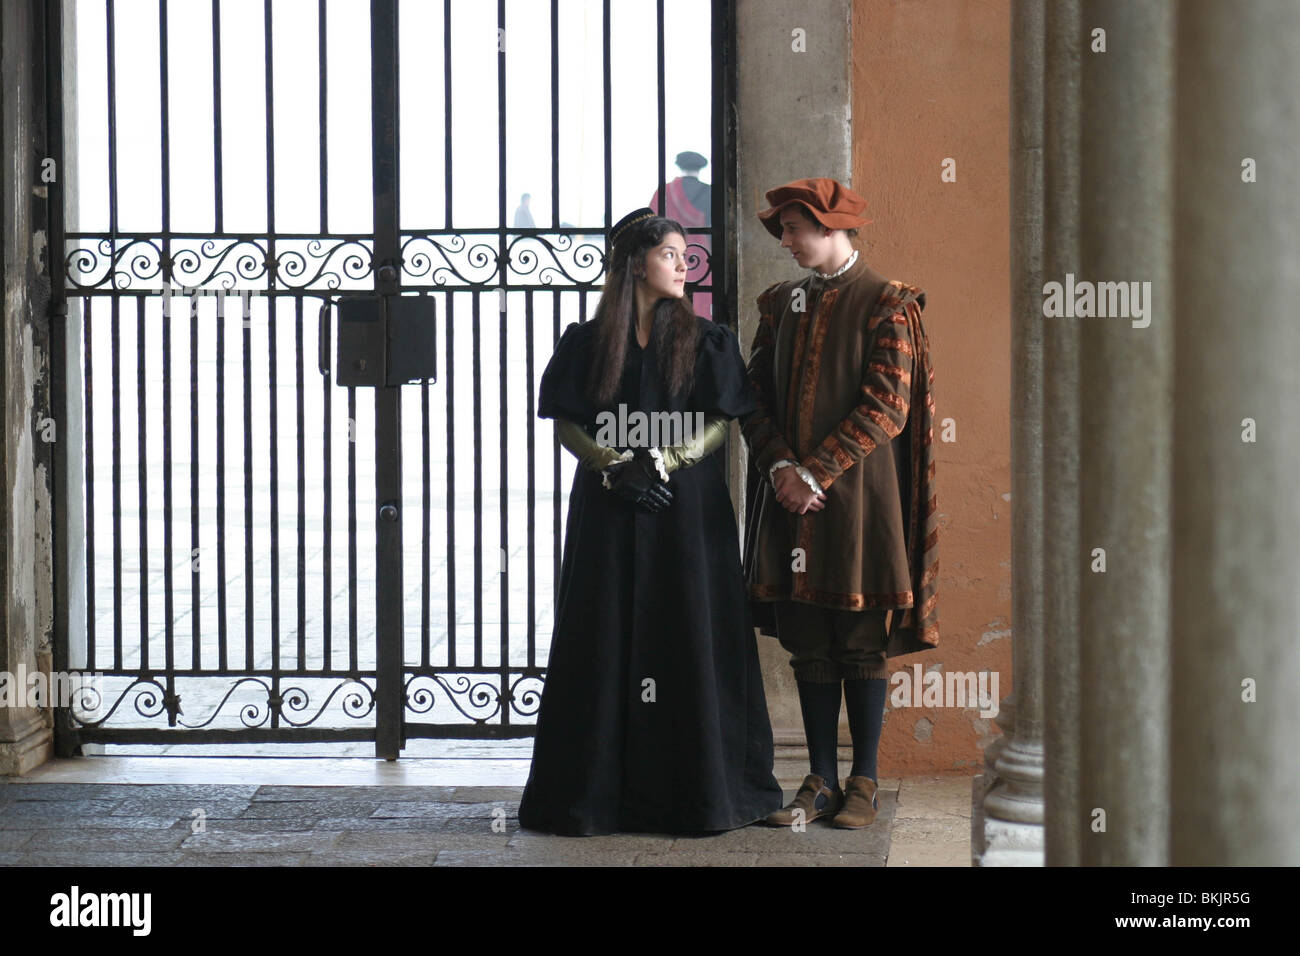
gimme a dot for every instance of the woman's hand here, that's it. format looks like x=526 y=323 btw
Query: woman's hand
x=637 y=482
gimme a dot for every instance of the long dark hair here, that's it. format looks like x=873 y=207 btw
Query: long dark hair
x=674 y=335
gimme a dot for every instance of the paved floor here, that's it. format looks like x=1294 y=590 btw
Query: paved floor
x=45 y=822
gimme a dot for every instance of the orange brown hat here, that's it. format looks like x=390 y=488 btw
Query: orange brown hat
x=832 y=204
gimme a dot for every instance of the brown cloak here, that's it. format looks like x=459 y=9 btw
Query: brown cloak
x=842 y=377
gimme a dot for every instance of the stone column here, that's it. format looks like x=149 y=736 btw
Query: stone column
x=1008 y=830
x=1125 y=395
x=25 y=561
x=70 y=622
x=1236 y=659
x=1062 y=567
x=793 y=110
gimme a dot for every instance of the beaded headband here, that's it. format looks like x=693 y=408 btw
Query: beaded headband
x=631 y=219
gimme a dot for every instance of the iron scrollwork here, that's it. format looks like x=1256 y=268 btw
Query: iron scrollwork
x=151 y=701
x=139 y=263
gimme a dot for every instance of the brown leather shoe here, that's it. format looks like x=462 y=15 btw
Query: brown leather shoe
x=806 y=800
x=859 y=804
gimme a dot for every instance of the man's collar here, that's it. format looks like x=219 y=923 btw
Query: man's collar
x=854 y=268
x=848 y=263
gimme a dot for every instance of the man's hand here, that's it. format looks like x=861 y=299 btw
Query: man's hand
x=793 y=493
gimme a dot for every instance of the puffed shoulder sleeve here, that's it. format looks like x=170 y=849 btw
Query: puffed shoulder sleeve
x=721 y=381
x=562 y=393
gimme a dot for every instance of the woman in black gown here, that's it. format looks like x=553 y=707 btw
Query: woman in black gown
x=653 y=716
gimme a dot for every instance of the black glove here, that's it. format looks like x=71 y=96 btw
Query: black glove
x=637 y=481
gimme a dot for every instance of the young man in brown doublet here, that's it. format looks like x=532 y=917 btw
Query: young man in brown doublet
x=842 y=524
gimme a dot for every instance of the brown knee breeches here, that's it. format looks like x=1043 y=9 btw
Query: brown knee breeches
x=828 y=644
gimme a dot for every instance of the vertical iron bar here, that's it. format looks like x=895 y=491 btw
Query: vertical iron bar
x=529 y=411
x=165 y=143
x=722 y=238
x=112 y=123
x=110 y=16
x=555 y=472
x=217 y=198
x=451 y=481
x=274 y=481
x=503 y=277
x=322 y=123
x=169 y=607
x=502 y=185
x=88 y=383
x=388 y=409
x=446 y=108
x=659 y=87
x=115 y=331
x=425 y=522
x=223 y=634
x=142 y=461
x=268 y=77
x=323 y=102
x=302 y=489
x=352 y=529
x=327 y=557
x=246 y=316
x=476 y=369
x=608 y=125
x=196 y=653
x=555 y=114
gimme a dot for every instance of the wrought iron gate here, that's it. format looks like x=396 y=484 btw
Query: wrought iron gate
x=212 y=629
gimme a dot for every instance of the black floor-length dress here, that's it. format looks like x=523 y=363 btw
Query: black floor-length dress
x=651 y=605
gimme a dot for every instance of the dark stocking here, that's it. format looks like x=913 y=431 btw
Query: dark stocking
x=866 y=704
x=820 y=704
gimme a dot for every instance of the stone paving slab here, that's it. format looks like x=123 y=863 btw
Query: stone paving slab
x=183 y=809
x=13 y=839
x=616 y=843
x=307 y=809
x=446 y=811
x=815 y=859
x=117 y=841
x=927 y=854
x=415 y=840
x=242 y=859
x=390 y=794
x=369 y=858
x=690 y=858
x=80 y=858
x=485 y=795
x=587 y=853
x=159 y=792
x=104 y=822
x=274 y=825
x=44 y=808
x=219 y=841
x=820 y=838
x=931 y=796
x=398 y=825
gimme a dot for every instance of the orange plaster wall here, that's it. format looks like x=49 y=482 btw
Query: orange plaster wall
x=931 y=80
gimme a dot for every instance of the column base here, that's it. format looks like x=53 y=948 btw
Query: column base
x=25 y=744
x=997 y=841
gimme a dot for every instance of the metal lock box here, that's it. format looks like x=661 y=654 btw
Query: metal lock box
x=386 y=340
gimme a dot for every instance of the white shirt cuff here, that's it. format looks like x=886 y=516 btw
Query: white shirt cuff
x=803 y=473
